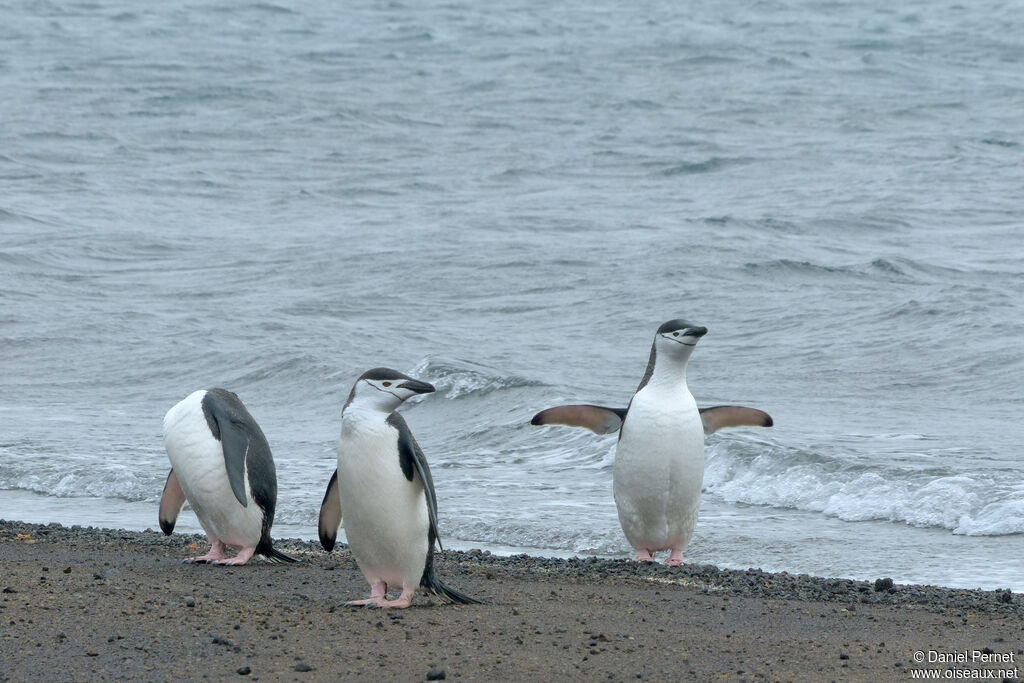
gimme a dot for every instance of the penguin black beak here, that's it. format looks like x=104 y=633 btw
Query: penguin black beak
x=417 y=386
x=697 y=332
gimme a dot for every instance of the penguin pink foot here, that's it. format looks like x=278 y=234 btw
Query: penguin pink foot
x=401 y=602
x=378 y=593
x=675 y=559
x=217 y=553
x=238 y=560
x=644 y=555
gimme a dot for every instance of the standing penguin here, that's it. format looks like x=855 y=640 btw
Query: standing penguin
x=384 y=489
x=659 y=459
x=221 y=463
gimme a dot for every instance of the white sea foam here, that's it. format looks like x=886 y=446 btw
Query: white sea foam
x=975 y=504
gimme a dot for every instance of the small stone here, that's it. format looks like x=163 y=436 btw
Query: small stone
x=885 y=584
x=190 y=603
x=98 y=576
x=843 y=655
x=302 y=666
x=243 y=671
x=436 y=673
x=8 y=589
x=67 y=570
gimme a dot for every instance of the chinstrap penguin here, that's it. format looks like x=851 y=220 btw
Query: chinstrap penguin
x=383 y=490
x=659 y=458
x=221 y=463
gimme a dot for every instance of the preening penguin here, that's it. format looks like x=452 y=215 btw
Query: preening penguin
x=659 y=459
x=383 y=490
x=221 y=463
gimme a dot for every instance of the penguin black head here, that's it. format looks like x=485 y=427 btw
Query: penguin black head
x=681 y=332
x=385 y=389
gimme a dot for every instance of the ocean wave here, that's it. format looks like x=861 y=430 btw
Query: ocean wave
x=457 y=378
x=966 y=504
x=92 y=480
x=886 y=269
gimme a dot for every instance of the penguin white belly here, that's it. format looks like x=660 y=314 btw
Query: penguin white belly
x=198 y=461
x=659 y=468
x=385 y=515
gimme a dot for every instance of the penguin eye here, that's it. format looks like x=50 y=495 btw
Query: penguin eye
x=675 y=334
x=387 y=384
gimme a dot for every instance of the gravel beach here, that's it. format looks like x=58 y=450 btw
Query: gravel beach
x=84 y=604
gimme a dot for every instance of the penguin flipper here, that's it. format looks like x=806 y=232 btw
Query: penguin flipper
x=170 y=503
x=234 y=441
x=719 y=417
x=330 y=514
x=412 y=460
x=598 y=419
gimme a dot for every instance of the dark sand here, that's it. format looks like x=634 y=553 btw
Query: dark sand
x=91 y=604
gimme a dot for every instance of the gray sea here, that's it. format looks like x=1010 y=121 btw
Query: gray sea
x=507 y=200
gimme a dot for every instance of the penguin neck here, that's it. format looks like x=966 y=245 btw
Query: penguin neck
x=668 y=374
x=364 y=415
x=666 y=368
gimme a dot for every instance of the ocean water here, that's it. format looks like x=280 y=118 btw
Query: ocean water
x=507 y=201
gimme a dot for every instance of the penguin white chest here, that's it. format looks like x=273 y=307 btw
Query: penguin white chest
x=198 y=461
x=386 y=518
x=659 y=468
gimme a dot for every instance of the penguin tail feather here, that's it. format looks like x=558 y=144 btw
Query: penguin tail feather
x=432 y=585
x=276 y=556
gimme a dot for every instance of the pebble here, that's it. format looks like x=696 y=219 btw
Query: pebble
x=436 y=673
x=243 y=671
x=885 y=584
x=302 y=666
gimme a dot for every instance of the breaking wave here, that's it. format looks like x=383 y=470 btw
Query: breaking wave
x=990 y=504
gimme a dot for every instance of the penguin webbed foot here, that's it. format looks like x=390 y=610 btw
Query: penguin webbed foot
x=216 y=552
x=644 y=555
x=368 y=602
x=401 y=602
x=378 y=594
x=675 y=559
x=243 y=556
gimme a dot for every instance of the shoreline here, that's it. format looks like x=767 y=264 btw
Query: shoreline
x=922 y=556
x=97 y=604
